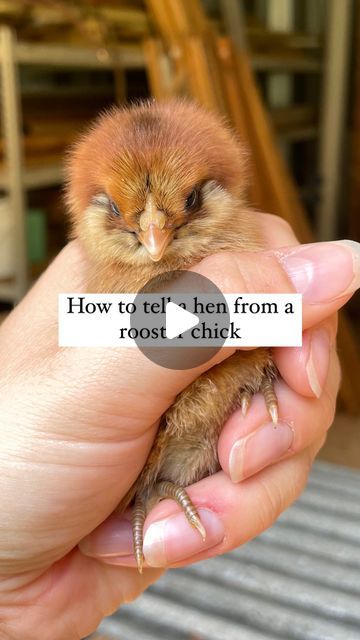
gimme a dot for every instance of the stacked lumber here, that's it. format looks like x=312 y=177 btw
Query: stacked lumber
x=190 y=58
x=52 y=122
x=83 y=22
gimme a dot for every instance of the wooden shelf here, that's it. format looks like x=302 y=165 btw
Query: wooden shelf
x=37 y=177
x=298 y=134
x=29 y=53
x=15 y=178
x=283 y=63
x=8 y=291
x=39 y=90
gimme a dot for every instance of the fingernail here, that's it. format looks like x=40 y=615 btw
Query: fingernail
x=259 y=449
x=323 y=271
x=317 y=364
x=173 y=539
x=112 y=538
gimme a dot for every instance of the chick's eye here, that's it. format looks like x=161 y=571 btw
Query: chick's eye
x=114 y=208
x=193 y=200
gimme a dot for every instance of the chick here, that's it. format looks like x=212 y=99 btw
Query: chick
x=151 y=189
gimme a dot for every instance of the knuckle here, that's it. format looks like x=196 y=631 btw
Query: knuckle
x=328 y=404
x=272 y=502
x=280 y=222
x=315 y=448
x=222 y=269
x=276 y=494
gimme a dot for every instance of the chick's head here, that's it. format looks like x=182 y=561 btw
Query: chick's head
x=158 y=184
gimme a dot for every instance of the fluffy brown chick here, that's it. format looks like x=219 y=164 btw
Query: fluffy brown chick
x=155 y=188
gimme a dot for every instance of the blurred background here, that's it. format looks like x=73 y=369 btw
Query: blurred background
x=286 y=73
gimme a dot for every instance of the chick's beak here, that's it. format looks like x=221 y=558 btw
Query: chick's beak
x=155 y=241
x=153 y=234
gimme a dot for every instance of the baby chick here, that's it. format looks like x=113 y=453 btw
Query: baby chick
x=156 y=188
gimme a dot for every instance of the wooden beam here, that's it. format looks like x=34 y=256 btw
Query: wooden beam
x=335 y=88
x=221 y=78
x=203 y=75
x=234 y=21
x=163 y=20
x=158 y=69
x=285 y=199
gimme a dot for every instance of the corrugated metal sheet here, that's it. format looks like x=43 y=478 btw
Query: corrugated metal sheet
x=300 y=580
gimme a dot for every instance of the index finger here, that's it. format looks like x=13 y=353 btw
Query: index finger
x=325 y=273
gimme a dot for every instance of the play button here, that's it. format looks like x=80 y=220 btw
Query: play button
x=178 y=320
x=184 y=318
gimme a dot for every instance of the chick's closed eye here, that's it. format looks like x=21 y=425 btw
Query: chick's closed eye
x=114 y=209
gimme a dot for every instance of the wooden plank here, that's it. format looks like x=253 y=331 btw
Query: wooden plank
x=157 y=66
x=285 y=201
x=200 y=56
x=234 y=21
x=189 y=17
x=222 y=79
x=227 y=59
x=163 y=20
x=128 y=57
x=354 y=177
x=184 y=27
x=14 y=156
x=168 y=27
x=204 y=81
x=334 y=113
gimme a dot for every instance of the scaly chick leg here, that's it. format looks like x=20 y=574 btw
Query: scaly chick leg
x=268 y=391
x=185 y=449
x=162 y=490
x=138 y=519
x=167 y=489
x=271 y=401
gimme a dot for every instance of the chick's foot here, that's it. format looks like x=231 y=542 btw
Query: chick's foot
x=271 y=401
x=162 y=490
x=185 y=447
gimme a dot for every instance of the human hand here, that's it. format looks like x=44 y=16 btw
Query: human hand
x=78 y=425
x=307 y=395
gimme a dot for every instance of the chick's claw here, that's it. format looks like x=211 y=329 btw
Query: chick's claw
x=268 y=391
x=245 y=399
